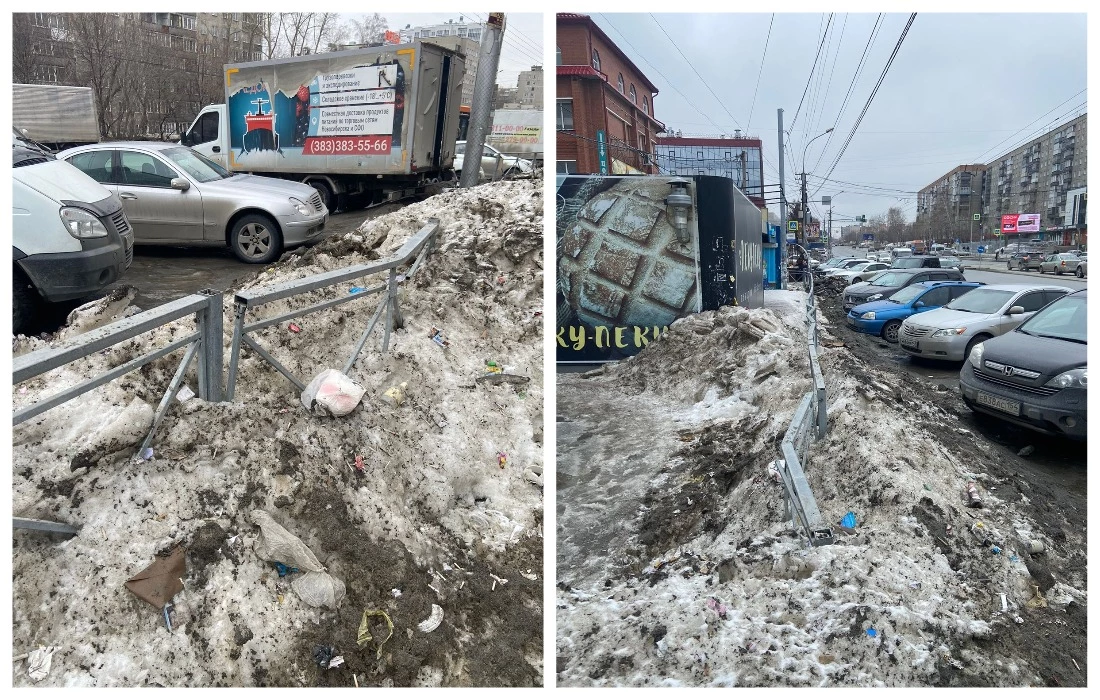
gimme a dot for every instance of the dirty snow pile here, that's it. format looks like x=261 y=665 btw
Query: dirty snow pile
x=420 y=504
x=705 y=583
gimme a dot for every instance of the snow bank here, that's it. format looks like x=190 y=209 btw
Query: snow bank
x=430 y=514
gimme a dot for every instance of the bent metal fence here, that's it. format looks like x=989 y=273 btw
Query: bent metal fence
x=810 y=422
x=418 y=246
x=205 y=344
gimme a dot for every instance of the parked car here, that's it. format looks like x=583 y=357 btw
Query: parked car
x=831 y=264
x=952 y=261
x=915 y=261
x=889 y=281
x=1024 y=260
x=494 y=164
x=1059 y=263
x=1035 y=376
x=860 y=272
x=900 y=253
x=951 y=332
x=70 y=235
x=884 y=318
x=1082 y=269
x=175 y=196
x=848 y=265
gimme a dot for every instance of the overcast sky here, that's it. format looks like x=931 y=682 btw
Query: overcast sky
x=522 y=36
x=964 y=88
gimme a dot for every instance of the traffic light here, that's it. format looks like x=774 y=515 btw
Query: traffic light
x=862 y=219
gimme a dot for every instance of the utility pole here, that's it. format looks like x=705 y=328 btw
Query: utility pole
x=805 y=213
x=829 y=245
x=782 y=212
x=481 y=106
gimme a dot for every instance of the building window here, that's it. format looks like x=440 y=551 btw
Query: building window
x=729 y=155
x=700 y=155
x=567 y=167
x=558 y=52
x=645 y=104
x=700 y=171
x=475 y=34
x=595 y=59
x=621 y=84
x=565 y=115
x=633 y=94
x=672 y=154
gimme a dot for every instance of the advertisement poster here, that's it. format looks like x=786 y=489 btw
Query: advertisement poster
x=625 y=273
x=1019 y=223
x=354 y=111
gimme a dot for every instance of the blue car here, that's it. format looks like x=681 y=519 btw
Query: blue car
x=884 y=317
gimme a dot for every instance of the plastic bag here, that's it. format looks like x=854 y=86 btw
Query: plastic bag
x=315 y=587
x=332 y=391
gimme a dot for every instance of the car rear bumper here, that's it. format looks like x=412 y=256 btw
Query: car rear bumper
x=1062 y=413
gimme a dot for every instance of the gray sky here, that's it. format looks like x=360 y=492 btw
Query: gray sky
x=522 y=37
x=959 y=91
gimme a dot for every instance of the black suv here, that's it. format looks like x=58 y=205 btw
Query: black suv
x=890 y=281
x=915 y=261
x=1036 y=375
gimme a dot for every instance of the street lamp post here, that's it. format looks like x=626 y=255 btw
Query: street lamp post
x=805 y=196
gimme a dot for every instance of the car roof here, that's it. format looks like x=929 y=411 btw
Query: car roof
x=947 y=283
x=1025 y=287
x=147 y=145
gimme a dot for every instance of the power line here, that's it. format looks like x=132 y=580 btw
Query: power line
x=761 y=73
x=993 y=148
x=812 y=69
x=871 y=97
x=829 y=85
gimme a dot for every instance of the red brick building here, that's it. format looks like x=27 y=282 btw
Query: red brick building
x=601 y=95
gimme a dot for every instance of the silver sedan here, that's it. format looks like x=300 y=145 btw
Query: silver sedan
x=1059 y=263
x=175 y=196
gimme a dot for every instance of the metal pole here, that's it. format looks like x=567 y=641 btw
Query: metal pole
x=805 y=212
x=210 y=364
x=482 y=102
x=782 y=211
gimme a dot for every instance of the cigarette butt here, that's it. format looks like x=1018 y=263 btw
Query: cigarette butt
x=356 y=679
x=1075 y=662
x=1004 y=603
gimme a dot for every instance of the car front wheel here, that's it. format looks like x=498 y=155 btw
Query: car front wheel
x=25 y=302
x=890 y=331
x=256 y=239
x=1079 y=272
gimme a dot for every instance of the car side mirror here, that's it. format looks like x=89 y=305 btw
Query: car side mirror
x=185 y=138
x=918 y=305
x=1015 y=310
x=181 y=184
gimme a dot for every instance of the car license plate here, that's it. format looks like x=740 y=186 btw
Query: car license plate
x=1006 y=405
x=911 y=346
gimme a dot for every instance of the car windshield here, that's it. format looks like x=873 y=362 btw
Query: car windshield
x=892 y=279
x=195 y=165
x=908 y=294
x=1063 y=319
x=903 y=263
x=948 y=260
x=981 y=301
x=832 y=262
x=860 y=267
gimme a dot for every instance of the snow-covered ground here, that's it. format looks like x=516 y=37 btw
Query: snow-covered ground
x=701 y=582
x=432 y=519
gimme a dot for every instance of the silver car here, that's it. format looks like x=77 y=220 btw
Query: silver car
x=950 y=332
x=1059 y=263
x=175 y=196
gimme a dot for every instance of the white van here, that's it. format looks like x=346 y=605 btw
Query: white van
x=937 y=249
x=900 y=253
x=70 y=237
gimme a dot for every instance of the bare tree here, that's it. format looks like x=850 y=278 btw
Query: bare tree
x=300 y=33
x=23 y=58
x=370 y=29
x=101 y=61
x=895 y=224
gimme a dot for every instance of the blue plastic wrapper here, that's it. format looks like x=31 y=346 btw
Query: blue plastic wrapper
x=357 y=290
x=283 y=569
x=849 y=520
x=872 y=632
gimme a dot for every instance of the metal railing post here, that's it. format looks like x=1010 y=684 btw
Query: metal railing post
x=391 y=291
x=210 y=333
x=235 y=350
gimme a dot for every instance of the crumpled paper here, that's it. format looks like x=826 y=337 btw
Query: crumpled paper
x=39 y=661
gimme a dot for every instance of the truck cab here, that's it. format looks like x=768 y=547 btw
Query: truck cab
x=207 y=135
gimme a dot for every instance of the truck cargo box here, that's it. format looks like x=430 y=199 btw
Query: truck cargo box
x=390 y=110
x=55 y=115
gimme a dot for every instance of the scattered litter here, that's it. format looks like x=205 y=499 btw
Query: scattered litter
x=357 y=290
x=145 y=455
x=496 y=580
x=39 y=662
x=359 y=465
x=995 y=549
x=1018 y=620
x=22 y=390
x=1004 y=603
x=168 y=608
x=502 y=376
x=1038 y=601
x=973 y=497
x=185 y=394
x=1026 y=451
x=332 y=391
x=1036 y=547
x=915 y=585
x=849 y=520
x=872 y=632
x=502 y=459
x=396 y=592
x=325 y=656
x=500 y=279
x=276 y=544
x=717 y=606
x=433 y=620
x=978 y=528
x=159 y=582
x=365 y=636
x=395 y=394
x=436 y=334
x=528 y=575
x=294 y=328
x=1075 y=662
x=283 y=569
x=1013 y=558
x=927 y=487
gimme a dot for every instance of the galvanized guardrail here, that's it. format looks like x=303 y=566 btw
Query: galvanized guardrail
x=205 y=344
x=417 y=246
x=810 y=422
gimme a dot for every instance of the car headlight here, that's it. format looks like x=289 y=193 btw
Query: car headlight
x=976 y=355
x=303 y=208
x=874 y=297
x=948 y=332
x=868 y=316
x=1073 y=379
x=82 y=224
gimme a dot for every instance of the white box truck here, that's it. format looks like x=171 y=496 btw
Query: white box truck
x=379 y=121
x=55 y=116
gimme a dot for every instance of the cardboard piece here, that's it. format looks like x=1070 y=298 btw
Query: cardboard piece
x=161 y=581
